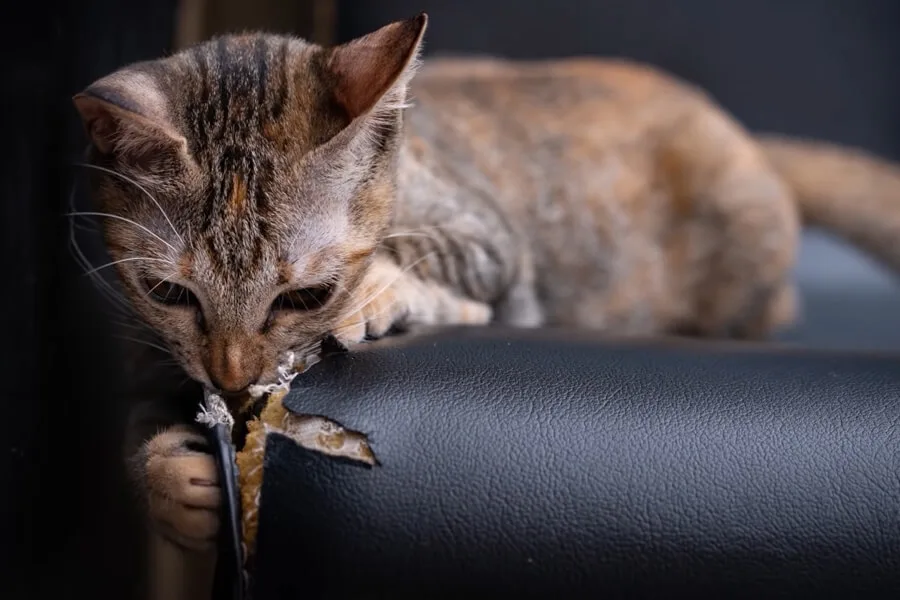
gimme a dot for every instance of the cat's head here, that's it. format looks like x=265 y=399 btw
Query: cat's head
x=247 y=182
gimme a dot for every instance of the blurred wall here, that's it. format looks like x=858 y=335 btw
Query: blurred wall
x=68 y=520
x=198 y=20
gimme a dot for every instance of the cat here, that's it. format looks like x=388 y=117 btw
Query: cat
x=264 y=194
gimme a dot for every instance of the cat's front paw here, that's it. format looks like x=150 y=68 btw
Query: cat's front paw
x=384 y=311
x=182 y=487
x=391 y=299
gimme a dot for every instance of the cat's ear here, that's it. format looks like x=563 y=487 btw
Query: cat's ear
x=377 y=66
x=124 y=114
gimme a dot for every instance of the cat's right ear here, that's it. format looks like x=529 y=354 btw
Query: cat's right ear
x=124 y=114
x=375 y=69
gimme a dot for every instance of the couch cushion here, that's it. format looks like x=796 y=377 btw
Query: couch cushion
x=849 y=300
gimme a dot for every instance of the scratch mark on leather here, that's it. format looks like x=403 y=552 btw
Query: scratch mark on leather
x=313 y=432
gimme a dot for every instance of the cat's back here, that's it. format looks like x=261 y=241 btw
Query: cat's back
x=558 y=97
x=622 y=76
x=520 y=123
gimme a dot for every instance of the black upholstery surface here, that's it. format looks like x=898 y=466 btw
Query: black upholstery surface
x=548 y=465
x=849 y=302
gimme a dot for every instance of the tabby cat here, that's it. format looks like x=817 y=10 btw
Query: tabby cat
x=263 y=193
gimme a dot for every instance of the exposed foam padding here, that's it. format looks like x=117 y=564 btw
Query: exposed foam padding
x=312 y=432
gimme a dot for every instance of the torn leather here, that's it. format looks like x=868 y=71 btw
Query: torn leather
x=312 y=432
x=230 y=580
x=240 y=445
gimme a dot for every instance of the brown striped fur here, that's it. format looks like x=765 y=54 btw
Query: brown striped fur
x=581 y=192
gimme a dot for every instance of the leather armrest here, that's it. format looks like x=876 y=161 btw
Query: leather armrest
x=549 y=464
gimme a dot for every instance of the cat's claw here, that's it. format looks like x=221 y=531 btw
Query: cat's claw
x=182 y=483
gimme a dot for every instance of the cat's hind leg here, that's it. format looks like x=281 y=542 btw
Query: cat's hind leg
x=752 y=228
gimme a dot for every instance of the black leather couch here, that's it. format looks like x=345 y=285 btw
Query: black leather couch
x=540 y=464
x=850 y=302
x=536 y=464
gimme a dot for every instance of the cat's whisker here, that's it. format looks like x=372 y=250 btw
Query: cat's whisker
x=118 y=302
x=91 y=229
x=104 y=287
x=121 y=218
x=348 y=326
x=129 y=322
x=400 y=235
x=137 y=325
x=145 y=343
x=81 y=259
x=159 y=283
x=364 y=320
x=410 y=316
x=133 y=326
x=146 y=336
x=128 y=259
x=190 y=236
x=309 y=349
x=372 y=316
x=407 y=234
x=140 y=187
x=426 y=231
x=437 y=244
x=387 y=309
x=168 y=362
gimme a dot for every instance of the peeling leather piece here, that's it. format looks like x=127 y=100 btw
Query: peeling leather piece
x=312 y=432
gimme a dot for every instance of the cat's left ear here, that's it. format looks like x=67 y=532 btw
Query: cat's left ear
x=124 y=114
x=375 y=69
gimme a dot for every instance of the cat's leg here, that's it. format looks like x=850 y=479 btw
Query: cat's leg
x=182 y=487
x=176 y=483
x=177 y=479
x=392 y=297
x=519 y=305
x=747 y=292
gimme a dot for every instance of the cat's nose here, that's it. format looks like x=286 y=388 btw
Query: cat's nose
x=228 y=370
x=231 y=385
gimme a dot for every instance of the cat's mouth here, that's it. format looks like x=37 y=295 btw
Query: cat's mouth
x=246 y=402
x=238 y=402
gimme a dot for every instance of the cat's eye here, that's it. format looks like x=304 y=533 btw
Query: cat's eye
x=309 y=298
x=170 y=294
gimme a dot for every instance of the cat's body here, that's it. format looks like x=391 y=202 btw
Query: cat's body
x=624 y=199
x=619 y=198
x=289 y=196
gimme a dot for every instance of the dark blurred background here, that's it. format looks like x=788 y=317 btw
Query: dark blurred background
x=819 y=68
